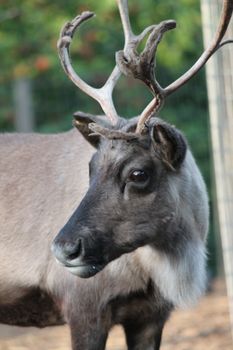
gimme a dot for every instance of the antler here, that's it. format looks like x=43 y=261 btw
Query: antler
x=102 y=95
x=225 y=18
x=141 y=66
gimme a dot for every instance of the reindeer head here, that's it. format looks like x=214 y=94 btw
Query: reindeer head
x=142 y=175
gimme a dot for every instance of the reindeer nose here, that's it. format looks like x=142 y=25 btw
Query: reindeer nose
x=67 y=252
x=72 y=250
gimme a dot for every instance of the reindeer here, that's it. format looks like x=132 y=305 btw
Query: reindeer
x=134 y=247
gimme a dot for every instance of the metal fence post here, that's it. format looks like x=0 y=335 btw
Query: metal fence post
x=219 y=73
x=23 y=105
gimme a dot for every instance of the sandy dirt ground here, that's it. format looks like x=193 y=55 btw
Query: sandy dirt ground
x=206 y=326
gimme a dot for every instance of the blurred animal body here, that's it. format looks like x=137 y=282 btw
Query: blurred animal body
x=147 y=237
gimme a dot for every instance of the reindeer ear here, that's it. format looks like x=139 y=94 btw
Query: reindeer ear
x=81 y=122
x=169 y=144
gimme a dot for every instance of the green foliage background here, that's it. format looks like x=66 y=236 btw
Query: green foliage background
x=28 y=34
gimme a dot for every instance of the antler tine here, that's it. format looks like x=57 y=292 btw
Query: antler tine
x=102 y=95
x=225 y=18
x=141 y=66
x=131 y=40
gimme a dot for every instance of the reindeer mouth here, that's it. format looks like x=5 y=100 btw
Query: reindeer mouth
x=85 y=271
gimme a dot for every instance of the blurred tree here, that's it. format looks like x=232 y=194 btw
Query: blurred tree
x=29 y=31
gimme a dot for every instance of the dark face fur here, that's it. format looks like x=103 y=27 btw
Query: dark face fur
x=127 y=205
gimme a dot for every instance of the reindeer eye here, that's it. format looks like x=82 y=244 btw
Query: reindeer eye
x=138 y=176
